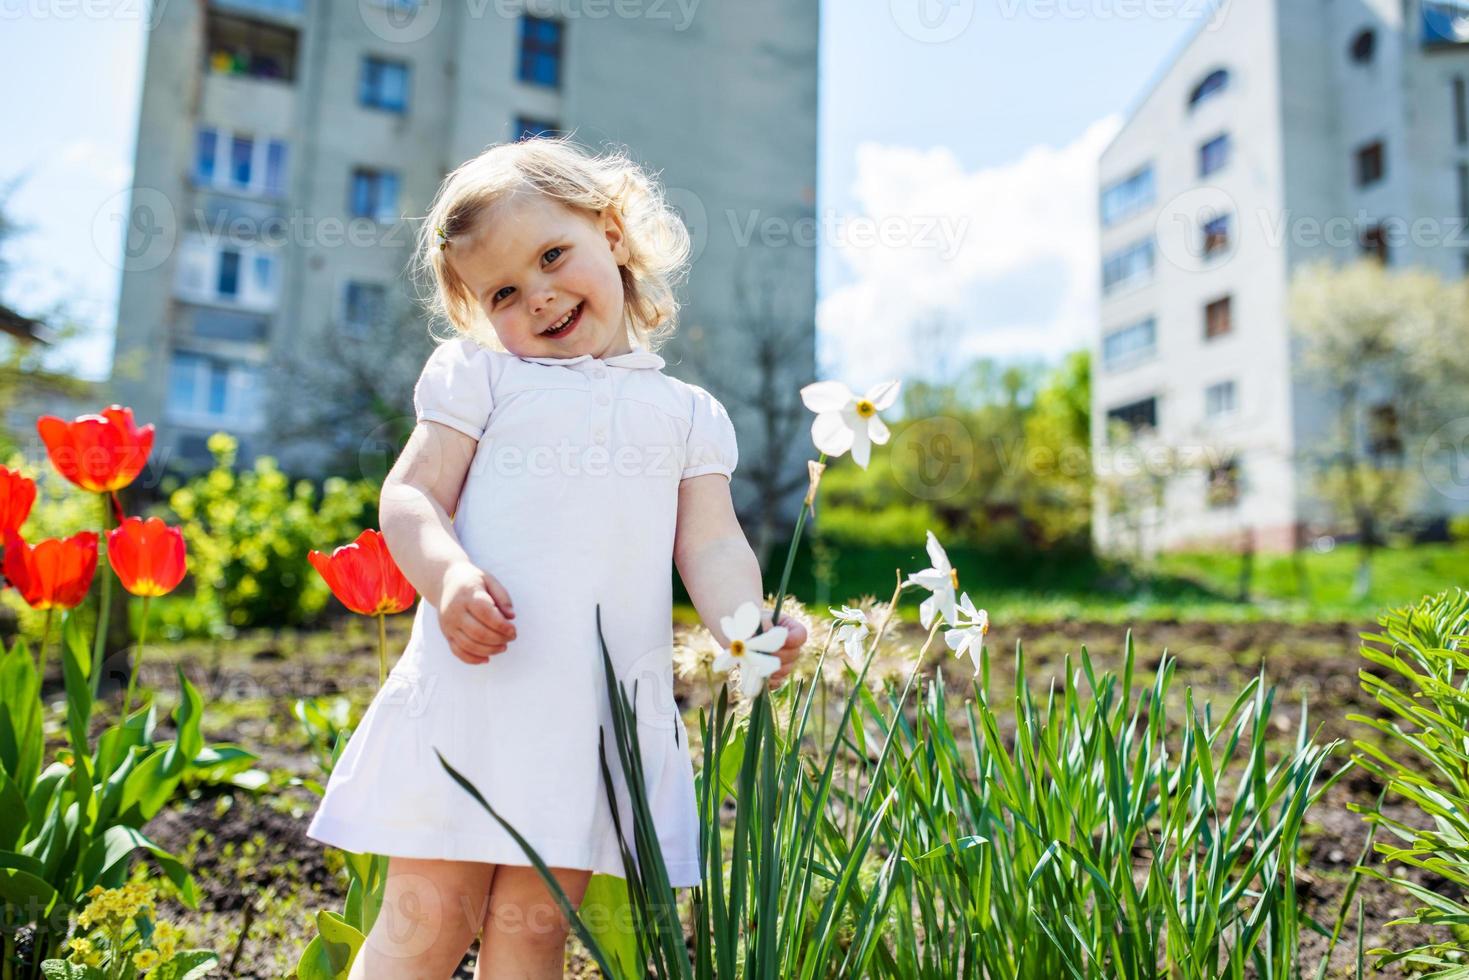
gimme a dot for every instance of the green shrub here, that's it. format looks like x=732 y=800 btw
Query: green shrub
x=249 y=533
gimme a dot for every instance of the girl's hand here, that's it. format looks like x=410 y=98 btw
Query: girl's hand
x=475 y=613
x=795 y=640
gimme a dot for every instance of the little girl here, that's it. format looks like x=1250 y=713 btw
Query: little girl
x=555 y=470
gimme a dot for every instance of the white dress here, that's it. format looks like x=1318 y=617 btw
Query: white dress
x=570 y=502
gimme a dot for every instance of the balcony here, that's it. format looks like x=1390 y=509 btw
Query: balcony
x=244 y=47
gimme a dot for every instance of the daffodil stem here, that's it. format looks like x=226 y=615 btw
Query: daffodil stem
x=785 y=575
x=127 y=700
x=382 y=649
x=104 y=604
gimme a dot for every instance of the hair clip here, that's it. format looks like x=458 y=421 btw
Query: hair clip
x=443 y=237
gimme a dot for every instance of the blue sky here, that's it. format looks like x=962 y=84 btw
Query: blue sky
x=970 y=129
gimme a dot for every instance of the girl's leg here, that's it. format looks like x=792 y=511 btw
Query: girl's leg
x=431 y=911
x=524 y=931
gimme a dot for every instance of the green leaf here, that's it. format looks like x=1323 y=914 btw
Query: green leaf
x=607 y=908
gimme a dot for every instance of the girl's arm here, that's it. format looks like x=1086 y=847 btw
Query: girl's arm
x=417 y=498
x=718 y=566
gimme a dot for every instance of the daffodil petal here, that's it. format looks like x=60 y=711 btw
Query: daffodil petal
x=930 y=578
x=827 y=396
x=861 y=446
x=769 y=641
x=723 y=662
x=831 y=434
x=877 y=431
x=936 y=552
x=954 y=638
x=926 y=609
x=745 y=622
x=884 y=395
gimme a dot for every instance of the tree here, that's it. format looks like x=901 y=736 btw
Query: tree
x=771 y=340
x=1389 y=352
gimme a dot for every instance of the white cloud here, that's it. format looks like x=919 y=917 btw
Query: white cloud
x=1017 y=275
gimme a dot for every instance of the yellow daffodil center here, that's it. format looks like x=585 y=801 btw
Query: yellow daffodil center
x=954 y=577
x=865 y=408
x=737 y=648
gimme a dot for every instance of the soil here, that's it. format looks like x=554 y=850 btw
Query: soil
x=262 y=880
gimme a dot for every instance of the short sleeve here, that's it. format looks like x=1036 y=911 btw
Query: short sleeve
x=454 y=388
x=711 y=445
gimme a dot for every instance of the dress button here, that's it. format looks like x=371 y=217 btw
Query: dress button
x=603 y=400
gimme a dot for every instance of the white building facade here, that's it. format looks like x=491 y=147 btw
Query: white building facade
x=1284 y=131
x=286 y=148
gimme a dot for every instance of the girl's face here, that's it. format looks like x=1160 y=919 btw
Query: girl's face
x=547 y=277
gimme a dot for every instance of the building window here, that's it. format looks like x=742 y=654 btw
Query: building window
x=1214 y=83
x=384 y=84
x=1213 y=155
x=1130 y=345
x=239 y=162
x=211 y=390
x=1139 y=416
x=362 y=306
x=1133 y=263
x=242 y=276
x=228 y=282
x=206 y=147
x=528 y=128
x=540 y=51
x=374 y=195
x=1374 y=244
x=1464 y=191
x=1128 y=196
x=1216 y=236
x=1444 y=23
x=1364 y=46
x=1371 y=164
x=1219 y=400
x=1222 y=488
x=1218 y=318
x=249 y=48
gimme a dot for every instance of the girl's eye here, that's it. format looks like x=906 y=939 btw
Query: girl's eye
x=554 y=252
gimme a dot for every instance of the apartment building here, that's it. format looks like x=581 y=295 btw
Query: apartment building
x=285 y=147
x=1283 y=131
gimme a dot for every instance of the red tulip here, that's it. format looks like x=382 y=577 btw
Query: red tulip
x=148 y=556
x=364 y=576
x=102 y=453
x=55 y=573
x=17 y=493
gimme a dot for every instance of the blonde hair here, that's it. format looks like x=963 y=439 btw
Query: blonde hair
x=657 y=241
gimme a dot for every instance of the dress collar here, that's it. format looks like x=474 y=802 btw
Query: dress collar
x=638 y=357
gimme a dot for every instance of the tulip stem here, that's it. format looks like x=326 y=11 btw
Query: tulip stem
x=127 y=700
x=45 y=645
x=382 y=649
x=104 y=604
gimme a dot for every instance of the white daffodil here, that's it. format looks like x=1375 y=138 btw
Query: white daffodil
x=852 y=631
x=753 y=654
x=942 y=580
x=968 y=634
x=845 y=421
